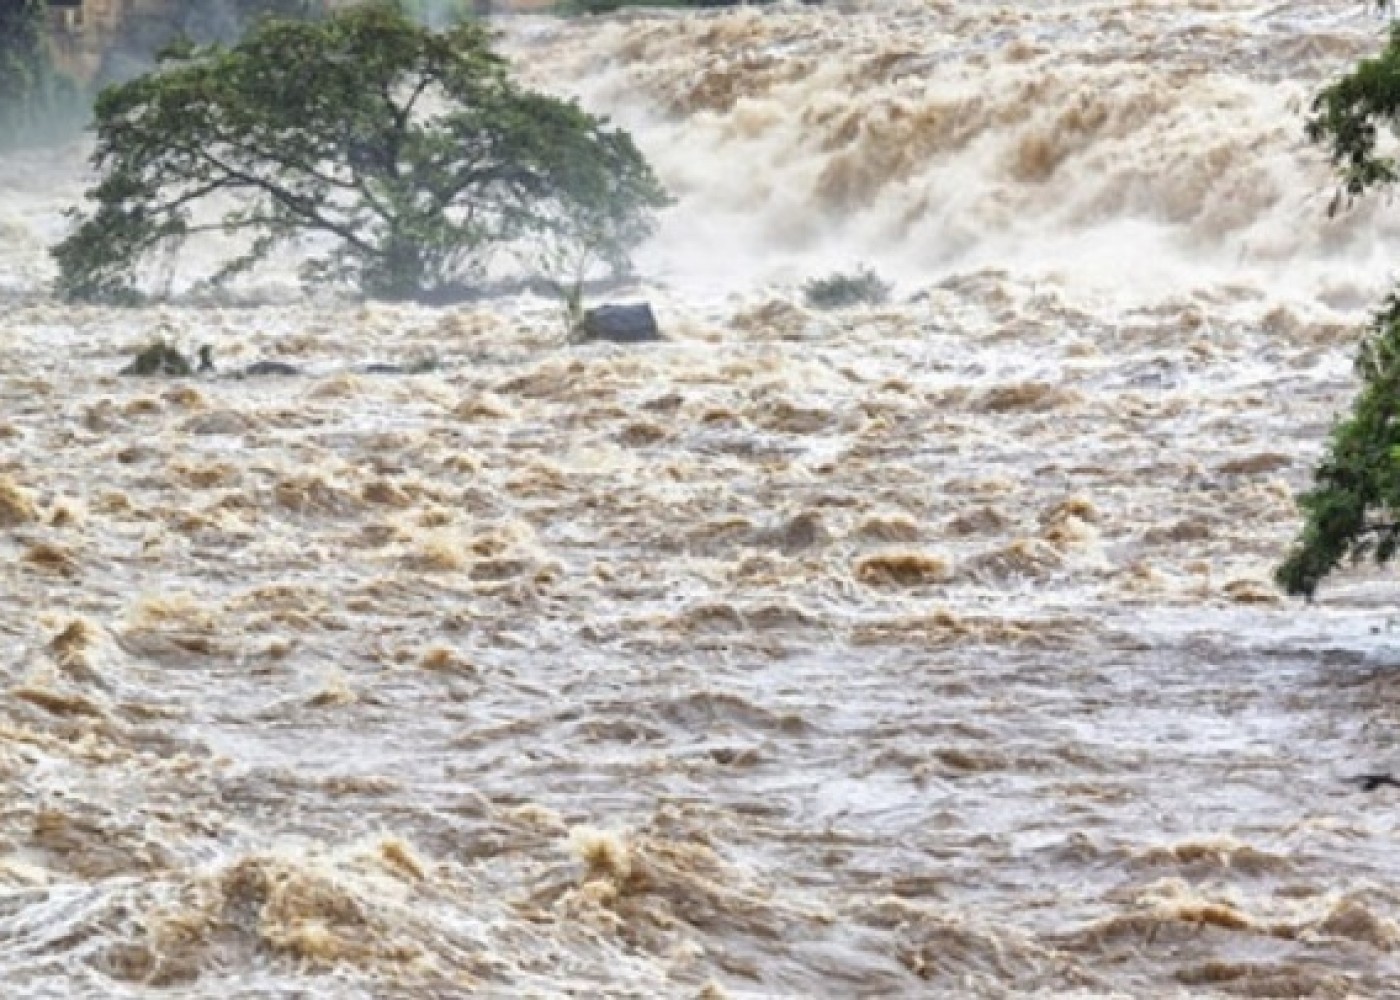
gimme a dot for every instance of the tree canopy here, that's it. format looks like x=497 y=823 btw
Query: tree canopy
x=1352 y=510
x=400 y=158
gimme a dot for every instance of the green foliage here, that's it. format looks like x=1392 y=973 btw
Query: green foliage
x=862 y=287
x=1353 y=509
x=1348 y=116
x=410 y=155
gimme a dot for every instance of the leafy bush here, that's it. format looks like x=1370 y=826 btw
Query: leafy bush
x=411 y=153
x=841 y=291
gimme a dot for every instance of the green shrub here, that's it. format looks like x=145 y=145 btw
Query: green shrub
x=862 y=287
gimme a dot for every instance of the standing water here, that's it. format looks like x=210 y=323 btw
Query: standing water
x=918 y=650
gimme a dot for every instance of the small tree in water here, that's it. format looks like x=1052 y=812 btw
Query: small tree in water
x=1352 y=510
x=410 y=152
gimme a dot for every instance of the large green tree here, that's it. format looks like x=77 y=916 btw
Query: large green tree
x=401 y=159
x=1352 y=510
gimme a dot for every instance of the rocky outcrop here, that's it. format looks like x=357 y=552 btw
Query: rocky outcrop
x=621 y=324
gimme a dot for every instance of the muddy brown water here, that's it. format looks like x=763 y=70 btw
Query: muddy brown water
x=926 y=650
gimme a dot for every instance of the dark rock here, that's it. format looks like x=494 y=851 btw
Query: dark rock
x=420 y=366
x=271 y=368
x=1370 y=782
x=621 y=324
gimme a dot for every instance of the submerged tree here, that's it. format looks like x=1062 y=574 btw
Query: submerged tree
x=1352 y=510
x=409 y=155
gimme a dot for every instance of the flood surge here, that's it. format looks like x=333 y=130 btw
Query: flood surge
x=926 y=649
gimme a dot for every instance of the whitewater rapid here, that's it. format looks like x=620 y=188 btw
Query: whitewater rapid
x=921 y=650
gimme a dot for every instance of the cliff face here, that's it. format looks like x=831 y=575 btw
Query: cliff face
x=85 y=34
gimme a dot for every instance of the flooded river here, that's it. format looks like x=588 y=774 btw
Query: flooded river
x=926 y=650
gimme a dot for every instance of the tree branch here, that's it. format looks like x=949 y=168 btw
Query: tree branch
x=294 y=204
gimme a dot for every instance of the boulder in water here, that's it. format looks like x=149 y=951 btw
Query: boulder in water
x=621 y=324
x=262 y=368
x=419 y=366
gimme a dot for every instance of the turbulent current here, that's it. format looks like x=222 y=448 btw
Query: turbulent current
x=926 y=650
